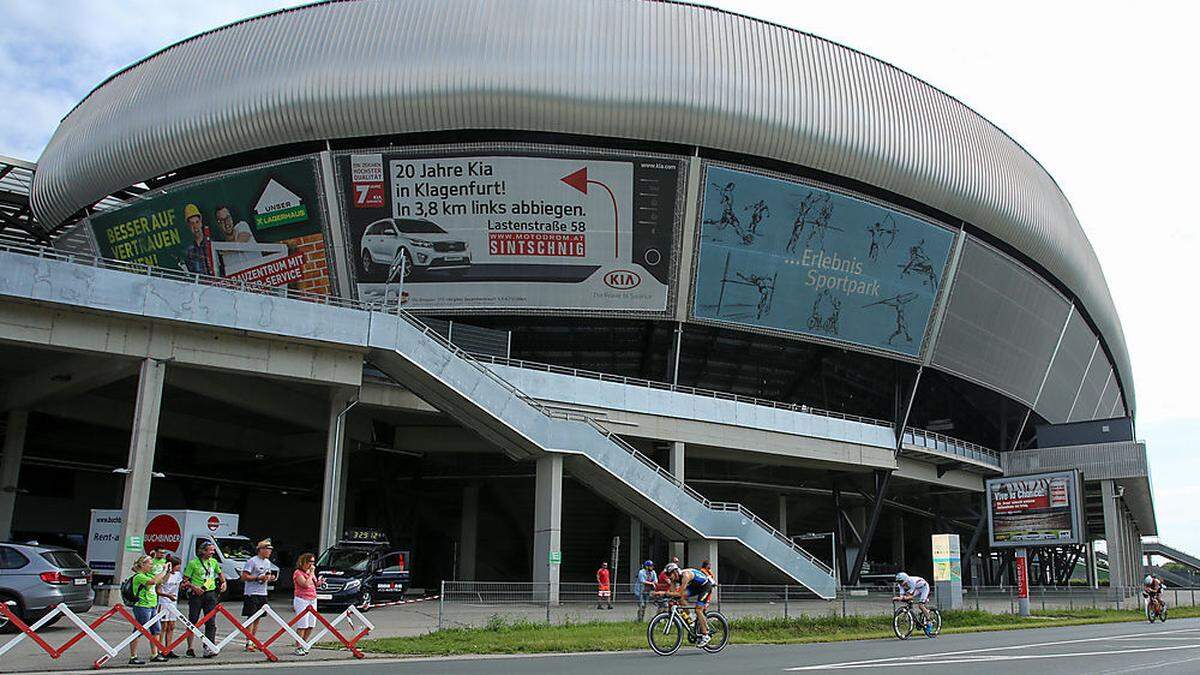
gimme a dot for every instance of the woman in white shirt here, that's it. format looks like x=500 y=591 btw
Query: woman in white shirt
x=168 y=594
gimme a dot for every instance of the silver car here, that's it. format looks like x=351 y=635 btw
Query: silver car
x=33 y=579
x=425 y=245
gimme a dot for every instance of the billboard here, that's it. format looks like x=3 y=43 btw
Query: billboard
x=1043 y=509
x=262 y=225
x=784 y=255
x=947 y=557
x=511 y=231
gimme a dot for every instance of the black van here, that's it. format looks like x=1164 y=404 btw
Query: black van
x=361 y=570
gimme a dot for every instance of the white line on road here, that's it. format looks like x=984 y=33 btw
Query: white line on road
x=1143 y=667
x=932 y=659
x=908 y=661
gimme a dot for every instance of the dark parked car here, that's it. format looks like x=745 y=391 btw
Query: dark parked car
x=361 y=570
x=35 y=578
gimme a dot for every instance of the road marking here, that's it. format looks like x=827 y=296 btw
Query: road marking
x=1149 y=666
x=929 y=661
x=979 y=654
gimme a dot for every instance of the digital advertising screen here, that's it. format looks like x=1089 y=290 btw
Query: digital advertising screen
x=1042 y=509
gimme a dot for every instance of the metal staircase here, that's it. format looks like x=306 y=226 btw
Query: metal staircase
x=421 y=360
x=451 y=380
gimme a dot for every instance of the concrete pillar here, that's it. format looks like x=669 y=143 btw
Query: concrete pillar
x=635 y=550
x=10 y=468
x=547 y=526
x=700 y=550
x=333 y=492
x=1113 y=536
x=143 y=438
x=1093 y=580
x=468 y=533
x=783 y=524
x=675 y=466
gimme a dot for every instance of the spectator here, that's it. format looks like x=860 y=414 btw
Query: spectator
x=305 y=582
x=256 y=574
x=664 y=582
x=158 y=560
x=144 y=587
x=205 y=581
x=168 y=596
x=646 y=580
x=604 y=588
x=706 y=567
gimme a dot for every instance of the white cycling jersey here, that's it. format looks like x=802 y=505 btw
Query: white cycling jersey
x=916 y=587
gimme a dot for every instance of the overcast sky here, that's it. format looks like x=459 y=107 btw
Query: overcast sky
x=1103 y=96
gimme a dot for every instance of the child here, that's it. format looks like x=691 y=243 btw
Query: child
x=168 y=594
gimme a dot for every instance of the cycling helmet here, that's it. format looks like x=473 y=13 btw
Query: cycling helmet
x=648 y=563
x=671 y=568
x=901 y=578
x=1149 y=579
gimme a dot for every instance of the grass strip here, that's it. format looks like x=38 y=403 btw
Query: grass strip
x=501 y=636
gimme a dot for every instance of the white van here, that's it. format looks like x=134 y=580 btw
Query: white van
x=177 y=531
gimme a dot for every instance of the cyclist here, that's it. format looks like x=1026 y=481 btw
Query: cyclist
x=1153 y=588
x=914 y=589
x=691 y=583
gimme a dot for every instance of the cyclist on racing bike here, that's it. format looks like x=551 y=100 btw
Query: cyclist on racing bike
x=916 y=590
x=1152 y=589
x=687 y=584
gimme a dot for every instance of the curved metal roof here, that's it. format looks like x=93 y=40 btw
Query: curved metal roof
x=633 y=69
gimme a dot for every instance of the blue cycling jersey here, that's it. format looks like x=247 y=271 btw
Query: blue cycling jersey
x=699 y=583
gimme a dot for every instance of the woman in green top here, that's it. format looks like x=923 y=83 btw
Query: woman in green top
x=145 y=582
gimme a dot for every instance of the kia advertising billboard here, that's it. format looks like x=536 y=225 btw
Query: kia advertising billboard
x=784 y=255
x=501 y=230
x=1042 y=509
x=261 y=225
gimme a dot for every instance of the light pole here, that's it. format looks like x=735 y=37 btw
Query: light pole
x=397 y=269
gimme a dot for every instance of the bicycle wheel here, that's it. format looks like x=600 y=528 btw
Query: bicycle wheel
x=718 y=629
x=664 y=635
x=902 y=623
x=935 y=622
x=1162 y=614
x=1150 y=612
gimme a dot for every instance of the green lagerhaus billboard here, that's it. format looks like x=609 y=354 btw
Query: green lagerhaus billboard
x=261 y=225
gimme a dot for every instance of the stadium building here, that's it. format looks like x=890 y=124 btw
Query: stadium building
x=697 y=282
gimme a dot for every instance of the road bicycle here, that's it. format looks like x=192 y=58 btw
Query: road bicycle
x=1156 y=610
x=906 y=617
x=674 y=622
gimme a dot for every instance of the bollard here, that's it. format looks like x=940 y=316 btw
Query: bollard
x=441 y=604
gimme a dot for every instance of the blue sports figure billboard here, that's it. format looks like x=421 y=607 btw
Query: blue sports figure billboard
x=784 y=255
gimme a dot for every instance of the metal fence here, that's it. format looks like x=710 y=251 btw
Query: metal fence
x=475 y=604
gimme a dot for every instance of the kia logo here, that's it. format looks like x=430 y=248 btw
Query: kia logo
x=622 y=279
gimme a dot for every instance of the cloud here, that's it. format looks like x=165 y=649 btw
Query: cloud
x=53 y=54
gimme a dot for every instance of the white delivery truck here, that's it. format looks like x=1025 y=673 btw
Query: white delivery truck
x=178 y=531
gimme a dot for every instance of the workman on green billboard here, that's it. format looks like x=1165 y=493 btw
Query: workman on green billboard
x=268 y=228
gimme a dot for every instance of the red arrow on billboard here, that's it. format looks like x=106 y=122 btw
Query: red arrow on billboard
x=580 y=181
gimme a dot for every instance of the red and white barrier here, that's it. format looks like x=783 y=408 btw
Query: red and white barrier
x=171 y=612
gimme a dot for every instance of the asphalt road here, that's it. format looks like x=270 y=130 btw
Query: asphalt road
x=1101 y=650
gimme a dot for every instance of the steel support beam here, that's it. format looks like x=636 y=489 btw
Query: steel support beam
x=882 y=480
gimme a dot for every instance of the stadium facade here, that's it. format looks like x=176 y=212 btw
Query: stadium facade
x=724 y=283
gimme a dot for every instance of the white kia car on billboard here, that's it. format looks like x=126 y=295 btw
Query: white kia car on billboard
x=424 y=244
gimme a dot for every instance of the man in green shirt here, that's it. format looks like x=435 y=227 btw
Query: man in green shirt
x=204 y=582
x=145 y=581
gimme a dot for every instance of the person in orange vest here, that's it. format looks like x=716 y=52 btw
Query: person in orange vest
x=604 y=587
